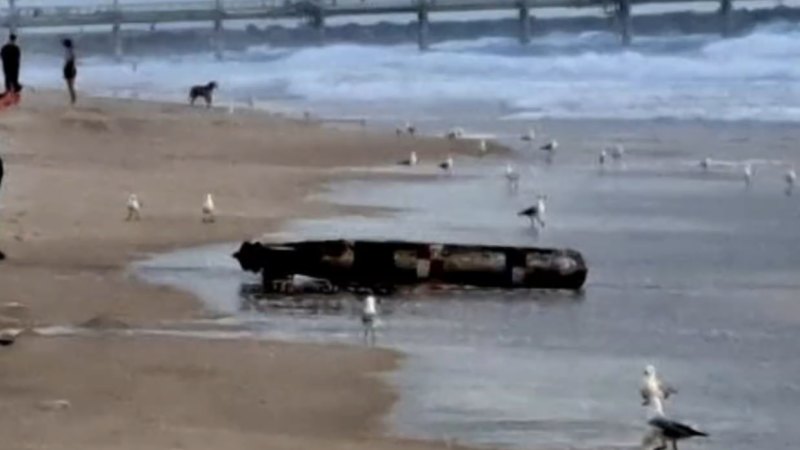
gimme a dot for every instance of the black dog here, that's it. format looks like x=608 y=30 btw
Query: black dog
x=205 y=92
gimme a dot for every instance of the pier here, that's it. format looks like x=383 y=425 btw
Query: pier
x=117 y=13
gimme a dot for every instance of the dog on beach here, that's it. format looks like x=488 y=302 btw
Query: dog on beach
x=206 y=92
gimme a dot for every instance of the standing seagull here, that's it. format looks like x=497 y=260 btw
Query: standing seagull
x=747 y=173
x=601 y=159
x=208 y=209
x=705 y=164
x=455 y=133
x=653 y=387
x=790 y=178
x=134 y=208
x=512 y=176
x=411 y=161
x=369 y=315
x=668 y=430
x=550 y=147
x=482 y=147
x=617 y=152
x=536 y=212
x=447 y=164
x=529 y=135
x=408 y=127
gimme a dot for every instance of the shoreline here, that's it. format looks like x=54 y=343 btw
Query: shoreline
x=69 y=172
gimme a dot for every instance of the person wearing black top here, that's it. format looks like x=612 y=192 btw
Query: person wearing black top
x=70 y=69
x=2 y=255
x=11 y=55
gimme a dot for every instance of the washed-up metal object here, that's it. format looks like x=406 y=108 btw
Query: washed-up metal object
x=385 y=265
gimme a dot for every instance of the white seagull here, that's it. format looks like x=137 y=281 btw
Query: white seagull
x=747 y=173
x=369 y=317
x=408 y=127
x=529 y=135
x=536 y=212
x=790 y=177
x=512 y=176
x=652 y=387
x=551 y=146
x=667 y=430
x=617 y=152
x=411 y=161
x=447 y=164
x=482 y=147
x=455 y=133
x=134 y=207
x=601 y=159
x=208 y=209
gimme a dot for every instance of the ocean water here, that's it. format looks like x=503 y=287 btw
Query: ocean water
x=559 y=75
x=689 y=271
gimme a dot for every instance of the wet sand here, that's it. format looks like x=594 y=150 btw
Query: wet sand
x=68 y=175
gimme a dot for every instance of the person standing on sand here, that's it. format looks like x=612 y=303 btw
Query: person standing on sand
x=70 y=69
x=11 y=55
x=2 y=255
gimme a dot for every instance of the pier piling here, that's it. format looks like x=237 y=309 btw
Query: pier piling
x=219 y=31
x=423 y=25
x=12 y=16
x=318 y=23
x=725 y=17
x=624 y=21
x=116 y=35
x=524 y=23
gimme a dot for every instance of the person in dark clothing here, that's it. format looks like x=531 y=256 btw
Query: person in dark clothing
x=70 y=69
x=11 y=55
x=2 y=255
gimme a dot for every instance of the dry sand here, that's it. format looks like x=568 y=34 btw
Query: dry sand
x=68 y=176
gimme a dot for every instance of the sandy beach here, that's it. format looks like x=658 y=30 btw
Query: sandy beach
x=68 y=175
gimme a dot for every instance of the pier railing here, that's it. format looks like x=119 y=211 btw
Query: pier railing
x=117 y=13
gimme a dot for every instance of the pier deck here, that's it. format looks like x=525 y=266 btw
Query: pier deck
x=117 y=13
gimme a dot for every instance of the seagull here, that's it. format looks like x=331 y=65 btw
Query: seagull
x=369 y=315
x=705 y=164
x=134 y=208
x=529 y=135
x=653 y=387
x=408 y=127
x=668 y=430
x=482 y=147
x=536 y=212
x=790 y=178
x=550 y=146
x=601 y=159
x=455 y=133
x=447 y=164
x=512 y=176
x=411 y=161
x=208 y=209
x=747 y=173
x=617 y=152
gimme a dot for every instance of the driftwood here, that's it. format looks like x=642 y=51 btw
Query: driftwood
x=385 y=265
